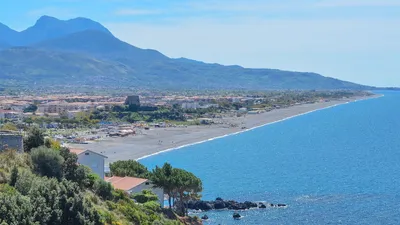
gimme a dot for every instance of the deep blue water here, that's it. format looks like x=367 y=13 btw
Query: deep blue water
x=335 y=166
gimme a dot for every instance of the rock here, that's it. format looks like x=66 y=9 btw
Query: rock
x=262 y=206
x=282 y=205
x=272 y=205
x=250 y=204
x=219 y=205
x=219 y=199
x=236 y=216
x=203 y=205
x=191 y=205
x=239 y=206
x=205 y=217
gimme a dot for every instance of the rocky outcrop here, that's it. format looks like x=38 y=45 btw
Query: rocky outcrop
x=219 y=203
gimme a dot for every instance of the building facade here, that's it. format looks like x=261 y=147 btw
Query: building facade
x=91 y=159
x=132 y=100
x=10 y=140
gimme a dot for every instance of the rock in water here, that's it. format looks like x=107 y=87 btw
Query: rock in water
x=262 y=206
x=219 y=205
x=236 y=216
x=205 y=217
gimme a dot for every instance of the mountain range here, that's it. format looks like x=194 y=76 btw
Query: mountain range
x=83 y=52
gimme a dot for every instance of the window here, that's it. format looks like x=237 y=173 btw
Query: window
x=147 y=183
x=87 y=153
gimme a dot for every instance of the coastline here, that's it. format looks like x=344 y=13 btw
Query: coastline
x=160 y=140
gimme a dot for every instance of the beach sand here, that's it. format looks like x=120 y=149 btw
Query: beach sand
x=156 y=140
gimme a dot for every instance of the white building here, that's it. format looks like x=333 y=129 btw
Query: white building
x=190 y=105
x=136 y=185
x=91 y=159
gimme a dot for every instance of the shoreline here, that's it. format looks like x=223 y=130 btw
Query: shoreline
x=256 y=127
x=160 y=140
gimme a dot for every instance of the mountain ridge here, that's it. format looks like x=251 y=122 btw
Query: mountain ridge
x=47 y=27
x=89 y=52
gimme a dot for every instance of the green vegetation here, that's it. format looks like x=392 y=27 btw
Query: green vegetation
x=47 y=162
x=129 y=168
x=31 y=108
x=145 y=196
x=33 y=139
x=9 y=127
x=180 y=185
x=66 y=195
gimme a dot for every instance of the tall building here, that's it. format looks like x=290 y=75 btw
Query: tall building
x=132 y=100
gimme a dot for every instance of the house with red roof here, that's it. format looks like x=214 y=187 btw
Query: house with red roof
x=133 y=185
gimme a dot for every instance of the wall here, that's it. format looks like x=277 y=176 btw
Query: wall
x=93 y=161
x=13 y=141
x=148 y=186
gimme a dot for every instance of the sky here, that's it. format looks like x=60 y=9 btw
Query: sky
x=353 y=40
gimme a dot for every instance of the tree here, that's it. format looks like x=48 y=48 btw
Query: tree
x=47 y=162
x=177 y=183
x=145 y=196
x=130 y=168
x=162 y=178
x=14 y=176
x=103 y=189
x=187 y=186
x=53 y=144
x=15 y=209
x=34 y=139
x=31 y=108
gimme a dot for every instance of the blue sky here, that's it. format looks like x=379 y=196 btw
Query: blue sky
x=355 y=40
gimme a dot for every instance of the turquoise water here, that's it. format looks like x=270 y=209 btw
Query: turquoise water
x=335 y=166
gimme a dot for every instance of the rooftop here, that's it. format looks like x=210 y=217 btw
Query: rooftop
x=76 y=150
x=125 y=183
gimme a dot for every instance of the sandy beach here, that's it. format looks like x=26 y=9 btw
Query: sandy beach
x=156 y=140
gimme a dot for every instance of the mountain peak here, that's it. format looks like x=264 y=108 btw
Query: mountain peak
x=46 y=18
x=48 y=27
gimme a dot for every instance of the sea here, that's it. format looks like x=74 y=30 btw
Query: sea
x=339 y=165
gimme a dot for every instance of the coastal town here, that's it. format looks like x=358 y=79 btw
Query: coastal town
x=81 y=119
x=107 y=134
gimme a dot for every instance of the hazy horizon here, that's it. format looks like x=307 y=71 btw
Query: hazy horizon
x=351 y=40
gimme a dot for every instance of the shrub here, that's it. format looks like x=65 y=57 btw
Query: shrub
x=153 y=206
x=34 y=139
x=130 y=168
x=145 y=196
x=14 y=176
x=103 y=189
x=47 y=162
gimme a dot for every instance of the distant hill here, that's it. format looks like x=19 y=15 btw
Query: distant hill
x=47 y=28
x=81 y=51
x=7 y=35
x=100 y=44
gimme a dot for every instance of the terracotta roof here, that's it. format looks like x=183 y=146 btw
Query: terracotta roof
x=76 y=150
x=125 y=183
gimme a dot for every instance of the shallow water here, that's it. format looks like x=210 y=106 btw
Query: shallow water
x=335 y=166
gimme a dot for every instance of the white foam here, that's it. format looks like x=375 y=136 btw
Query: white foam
x=242 y=131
